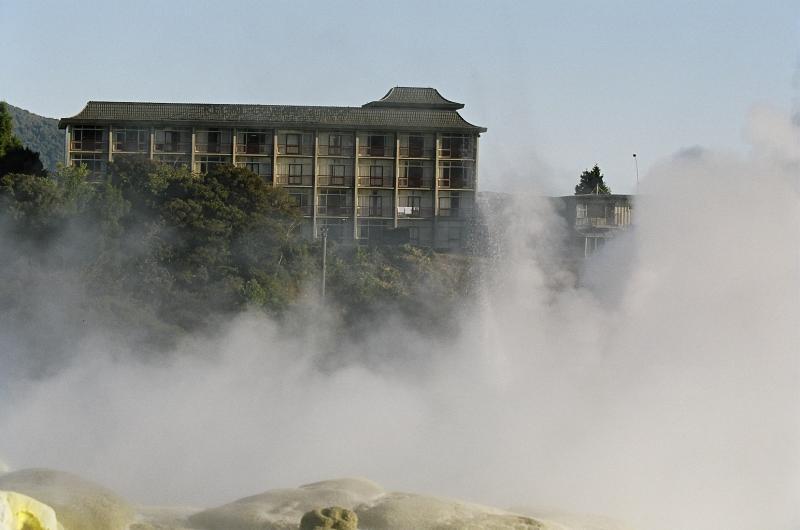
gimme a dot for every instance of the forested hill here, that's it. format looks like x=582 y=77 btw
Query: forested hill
x=39 y=134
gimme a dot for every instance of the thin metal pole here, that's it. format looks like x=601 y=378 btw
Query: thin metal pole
x=324 y=257
x=636 y=165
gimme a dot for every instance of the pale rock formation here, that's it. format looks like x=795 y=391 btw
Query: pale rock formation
x=20 y=512
x=333 y=518
x=407 y=511
x=78 y=503
x=282 y=509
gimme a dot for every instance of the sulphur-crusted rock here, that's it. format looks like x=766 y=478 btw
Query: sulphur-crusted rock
x=333 y=518
x=282 y=509
x=20 y=512
x=406 y=511
x=78 y=503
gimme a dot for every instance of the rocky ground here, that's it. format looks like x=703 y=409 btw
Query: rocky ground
x=82 y=505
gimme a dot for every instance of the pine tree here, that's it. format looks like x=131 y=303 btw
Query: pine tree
x=592 y=182
x=7 y=138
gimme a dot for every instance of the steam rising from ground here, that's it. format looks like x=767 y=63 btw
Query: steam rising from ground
x=662 y=391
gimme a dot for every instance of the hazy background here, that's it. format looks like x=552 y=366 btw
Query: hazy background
x=560 y=85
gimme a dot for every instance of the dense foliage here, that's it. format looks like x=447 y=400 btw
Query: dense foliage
x=159 y=251
x=39 y=134
x=592 y=182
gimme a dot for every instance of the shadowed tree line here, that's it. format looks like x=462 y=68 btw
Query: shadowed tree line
x=158 y=252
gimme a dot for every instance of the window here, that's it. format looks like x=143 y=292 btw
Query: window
x=416 y=146
x=171 y=141
x=87 y=139
x=93 y=162
x=414 y=176
x=301 y=200
x=337 y=172
x=455 y=175
x=376 y=175
x=449 y=205
x=295 y=174
x=292 y=144
x=253 y=143
x=204 y=164
x=456 y=147
x=131 y=140
x=335 y=202
x=375 y=206
x=258 y=165
x=335 y=144
x=376 y=145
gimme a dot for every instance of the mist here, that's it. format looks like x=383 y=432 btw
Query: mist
x=659 y=387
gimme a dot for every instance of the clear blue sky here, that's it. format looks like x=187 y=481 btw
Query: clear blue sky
x=560 y=85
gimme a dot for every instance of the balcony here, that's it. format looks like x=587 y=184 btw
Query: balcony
x=254 y=149
x=455 y=213
x=456 y=183
x=335 y=211
x=293 y=180
x=416 y=152
x=86 y=145
x=336 y=150
x=415 y=182
x=213 y=148
x=381 y=151
x=295 y=149
x=173 y=147
x=375 y=182
x=338 y=181
x=375 y=211
x=414 y=212
x=598 y=222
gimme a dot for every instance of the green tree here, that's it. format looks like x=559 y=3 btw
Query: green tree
x=592 y=182
x=7 y=138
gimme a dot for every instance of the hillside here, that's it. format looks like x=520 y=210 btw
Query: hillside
x=39 y=134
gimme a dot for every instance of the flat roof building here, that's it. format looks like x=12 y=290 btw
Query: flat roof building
x=405 y=164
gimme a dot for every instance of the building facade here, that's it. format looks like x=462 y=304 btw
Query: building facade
x=401 y=168
x=595 y=219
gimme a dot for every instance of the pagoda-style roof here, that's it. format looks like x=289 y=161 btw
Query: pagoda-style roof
x=420 y=109
x=415 y=98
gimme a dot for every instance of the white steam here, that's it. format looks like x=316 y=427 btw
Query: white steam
x=663 y=392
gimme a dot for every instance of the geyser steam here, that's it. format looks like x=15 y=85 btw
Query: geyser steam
x=662 y=391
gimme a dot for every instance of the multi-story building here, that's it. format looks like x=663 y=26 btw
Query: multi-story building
x=595 y=219
x=402 y=166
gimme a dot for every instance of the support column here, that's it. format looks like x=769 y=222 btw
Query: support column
x=110 y=143
x=151 y=149
x=67 y=145
x=314 y=172
x=396 y=174
x=191 y=157
x=436 y=146
x=233 y=147
x=355 y=186
x=274 y=156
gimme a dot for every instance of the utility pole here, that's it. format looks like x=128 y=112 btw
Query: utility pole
x=324 y=232
x=636 y=166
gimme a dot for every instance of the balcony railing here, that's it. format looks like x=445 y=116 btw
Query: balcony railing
x=327 y=180
x=293 y=180
x=457 y=183
x=254 y=149
x=455 y=212
x=597 y=222
x=375 y=182
x=414 y=182
x=335 y=211
x=375 y=211
x=86 y=145
x=215 y=147
x=295 y=149
x=336 y=150
x=410 y=212
x=457 y=152
x=379 y=151
x=173 y=147
x=416 y=152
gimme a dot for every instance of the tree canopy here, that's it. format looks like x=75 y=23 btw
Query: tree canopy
x=7 y=138
x=591 y=181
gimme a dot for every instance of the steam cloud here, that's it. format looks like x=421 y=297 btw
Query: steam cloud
x=662 y=390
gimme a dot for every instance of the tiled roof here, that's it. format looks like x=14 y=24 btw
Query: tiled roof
x=415 y=97
x=407 y=117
